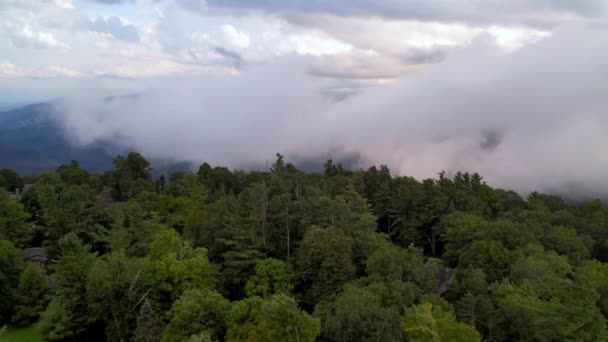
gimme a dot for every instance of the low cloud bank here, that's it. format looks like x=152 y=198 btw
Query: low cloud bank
x=536 y=118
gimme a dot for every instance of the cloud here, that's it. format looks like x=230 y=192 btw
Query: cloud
x=235 y=58
x=26 y=37
x=534 y=12
x=531 y=119
x=193 y=5
x=10 y=70
x=111 y=2
x=235 y=38
x=115 y=27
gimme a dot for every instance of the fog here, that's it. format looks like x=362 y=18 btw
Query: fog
x=532 y=119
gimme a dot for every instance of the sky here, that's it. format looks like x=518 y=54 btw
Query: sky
x=515 y=90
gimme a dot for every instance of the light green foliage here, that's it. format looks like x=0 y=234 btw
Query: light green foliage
x=31 y=296
x=174 y=266
x=275 y=319
x=26 y=334
x=272 y=276
x=359 y=315
x=11 y=266
x=13 y=225
x=428 y=323
x=324 y=262
x=196 y=311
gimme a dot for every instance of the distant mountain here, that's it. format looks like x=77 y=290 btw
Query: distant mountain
x=31 y=141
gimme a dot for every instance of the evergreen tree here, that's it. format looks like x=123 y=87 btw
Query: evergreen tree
x=32 y=296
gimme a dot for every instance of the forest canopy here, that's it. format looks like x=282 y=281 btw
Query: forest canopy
x=285 y=255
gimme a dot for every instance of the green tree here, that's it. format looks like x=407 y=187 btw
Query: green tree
x=114 y=291
x=359 y=315
x=13 y=221
x=56 y=323
x=430 y=323
x=272 y=276
x=324 y=262
x=11 y=266
x=73 y=174
x=565 y=241
x=67 y=315
x=490 y=256
x=196 y=311
x=275 y=319
x=131 y=176
x=11 y=180
x=174 y=266
x=395 y=263
x=32 y=296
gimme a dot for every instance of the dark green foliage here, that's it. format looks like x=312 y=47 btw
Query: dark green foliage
x=130 y=177
x=13 y=221
x=11 y=266
x=114 y=290
x=31 y=296
x=324 y=262
x=67 y=315
x=10 y=180
x=359 y=315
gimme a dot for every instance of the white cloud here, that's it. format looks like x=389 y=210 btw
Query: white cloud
x=67 y=4
x=8 y=69
x=26 y=37
x=235 y=38
x=57 y=72
x=549 y=128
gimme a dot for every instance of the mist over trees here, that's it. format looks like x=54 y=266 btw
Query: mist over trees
x=285 y=255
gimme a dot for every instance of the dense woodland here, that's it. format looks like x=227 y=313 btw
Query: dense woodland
x=284 y=255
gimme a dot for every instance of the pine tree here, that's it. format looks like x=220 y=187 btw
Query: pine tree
x=31 y=296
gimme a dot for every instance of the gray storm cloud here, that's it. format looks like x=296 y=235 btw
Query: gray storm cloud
x=536 y=118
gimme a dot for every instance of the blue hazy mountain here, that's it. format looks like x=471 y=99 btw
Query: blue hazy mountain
x=31 y=141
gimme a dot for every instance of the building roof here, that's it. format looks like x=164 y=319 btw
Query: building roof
x=445 y=276
x=33 y=252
